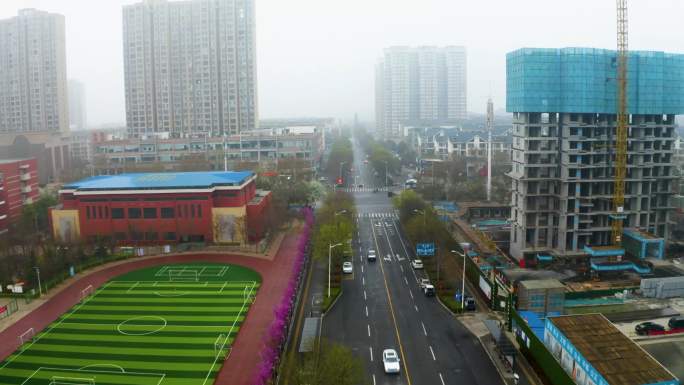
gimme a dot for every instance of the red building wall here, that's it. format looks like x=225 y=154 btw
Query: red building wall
x=19 y=186
x=191 y=221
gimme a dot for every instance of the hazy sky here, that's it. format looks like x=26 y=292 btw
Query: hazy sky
x=317 y=57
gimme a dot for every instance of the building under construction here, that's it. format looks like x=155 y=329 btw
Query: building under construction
x=564 y=104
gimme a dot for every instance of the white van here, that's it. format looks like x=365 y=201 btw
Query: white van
x=371 y=255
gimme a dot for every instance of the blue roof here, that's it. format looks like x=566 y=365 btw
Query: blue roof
x=583 y=80
x=161 y=180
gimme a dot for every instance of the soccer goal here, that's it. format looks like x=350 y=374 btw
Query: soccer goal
x=87 y=292
x=59 y=380
x=183 y=275
x=26 y=336
x=221 y=346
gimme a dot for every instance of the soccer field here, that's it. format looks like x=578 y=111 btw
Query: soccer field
x=166 y=325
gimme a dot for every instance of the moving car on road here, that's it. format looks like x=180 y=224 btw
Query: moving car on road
x=347 y=268
x=390 y=360
x=469 y=303
x=423 y=282
x=429 y=290
x=371 y=255
x=644 y=328
x=417 y=264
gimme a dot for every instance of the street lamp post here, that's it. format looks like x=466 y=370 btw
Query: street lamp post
x=340 y=174
x=40 y=287
x=330 y=247
x=463 y=276
x=385 y=173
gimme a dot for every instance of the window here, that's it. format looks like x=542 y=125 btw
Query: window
x=99 y=212
x=151 y=236
x=120 y=236
x=106 y=211
x=170 y=236
x=136 y=236
x=167 y=212
x=134 y=213
x=199 y=211
x=192 y=211
x=117 y=213
x=150 y=212
x=88 y=212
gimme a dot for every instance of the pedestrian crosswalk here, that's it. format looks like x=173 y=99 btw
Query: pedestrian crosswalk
x=388 y=214
x=363 y=189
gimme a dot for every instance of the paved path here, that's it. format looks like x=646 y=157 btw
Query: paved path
x=240 y=366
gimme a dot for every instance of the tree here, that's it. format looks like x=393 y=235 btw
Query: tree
x=329 y=363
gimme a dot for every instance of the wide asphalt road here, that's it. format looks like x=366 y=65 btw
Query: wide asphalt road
x=383 y=307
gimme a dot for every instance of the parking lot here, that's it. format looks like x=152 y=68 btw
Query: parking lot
x=670 y=353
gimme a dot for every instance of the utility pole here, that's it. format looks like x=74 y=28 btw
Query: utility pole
x=330 y=247
x=225 y=154
x=490 y=123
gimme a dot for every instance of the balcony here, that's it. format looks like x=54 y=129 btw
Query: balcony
x=25 y=177
x=28 y=201
x=3 y=217
x=2 y=203
x=26 y=189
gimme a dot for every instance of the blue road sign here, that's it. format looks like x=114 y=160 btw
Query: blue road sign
x=425 y=249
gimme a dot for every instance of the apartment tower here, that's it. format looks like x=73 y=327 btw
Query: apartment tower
x=33 y=86
x=77 y=105
x=190 y=67
x=419 y=86
x=564 y=128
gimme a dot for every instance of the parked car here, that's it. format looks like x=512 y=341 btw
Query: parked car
x=469 y=303
x=347 y=268
x=371 y=255
x=423 y=282
x=676 y=322
x=645 y=328
x=417 y=264
x=390 y=360
x=429 y=290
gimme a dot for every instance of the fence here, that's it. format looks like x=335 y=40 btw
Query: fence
x=9 y=309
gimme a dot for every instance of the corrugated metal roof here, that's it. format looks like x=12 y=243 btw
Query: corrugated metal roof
x=161 y=180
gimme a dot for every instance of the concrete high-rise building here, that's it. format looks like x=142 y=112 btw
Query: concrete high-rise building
x=190 y=67
x=33 y=91
x=419 y=86
x=564 y=122
x=34 y=112
x=77 y=105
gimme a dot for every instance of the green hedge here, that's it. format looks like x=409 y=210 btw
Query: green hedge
x=450 y=302
x=596 y=293
x=328 y=301
x=540 y=356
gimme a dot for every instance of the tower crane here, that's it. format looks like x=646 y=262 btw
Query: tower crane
x=621 y=125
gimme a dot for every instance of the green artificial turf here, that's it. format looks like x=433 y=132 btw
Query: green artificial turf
x=165 y=325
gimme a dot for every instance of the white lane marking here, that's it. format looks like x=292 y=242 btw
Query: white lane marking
x=401 y=268
x=366 y=311
x=410 y=293
x=375 y=384
x=433 y=354
x=363 y=280
x=361 y=269
x=405 y=280
x=416 y=307
x=440 y=378
x=370 y=349
x=368 y=330
x=364 y=296
x=424 y=331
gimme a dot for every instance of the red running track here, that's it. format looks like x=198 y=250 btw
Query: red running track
x=240 y=367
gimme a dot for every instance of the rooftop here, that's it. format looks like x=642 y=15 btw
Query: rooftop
x=161 y=180
x=8 y=161
x=533 y=284
x=617 y=358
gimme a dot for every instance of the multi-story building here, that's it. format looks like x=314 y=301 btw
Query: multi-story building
x=270 y=148
x=190 y=67
x=419 y=86
x=34 y=113
x=564 y=122
x=33 y=90
x=162 y=208
x=18 y=187
x=77 y=105
x=446 y=143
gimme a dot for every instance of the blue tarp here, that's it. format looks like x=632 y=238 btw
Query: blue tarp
x=446 y=206
x=544 y=258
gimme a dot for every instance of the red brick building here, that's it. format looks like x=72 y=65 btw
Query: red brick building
x=18 y=187
x=162 y=208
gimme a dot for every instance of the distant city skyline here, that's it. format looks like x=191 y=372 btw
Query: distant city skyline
x=317 y=58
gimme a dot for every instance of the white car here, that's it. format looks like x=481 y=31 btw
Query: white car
x=390 y=360
x=347 y=268
x=417 y=264
x=371 y=255
x=424 y=282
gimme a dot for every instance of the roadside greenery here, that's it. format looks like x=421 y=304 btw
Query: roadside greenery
x=341 y=154
x=380 y=156
x=329 y=363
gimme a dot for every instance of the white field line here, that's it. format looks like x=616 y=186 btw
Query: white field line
x=244 y=302
x=132 y=287
x=46 y=332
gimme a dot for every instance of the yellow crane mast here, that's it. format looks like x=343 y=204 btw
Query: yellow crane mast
x=622 y=124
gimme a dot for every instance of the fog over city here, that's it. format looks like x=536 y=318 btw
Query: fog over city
x=317 y=57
